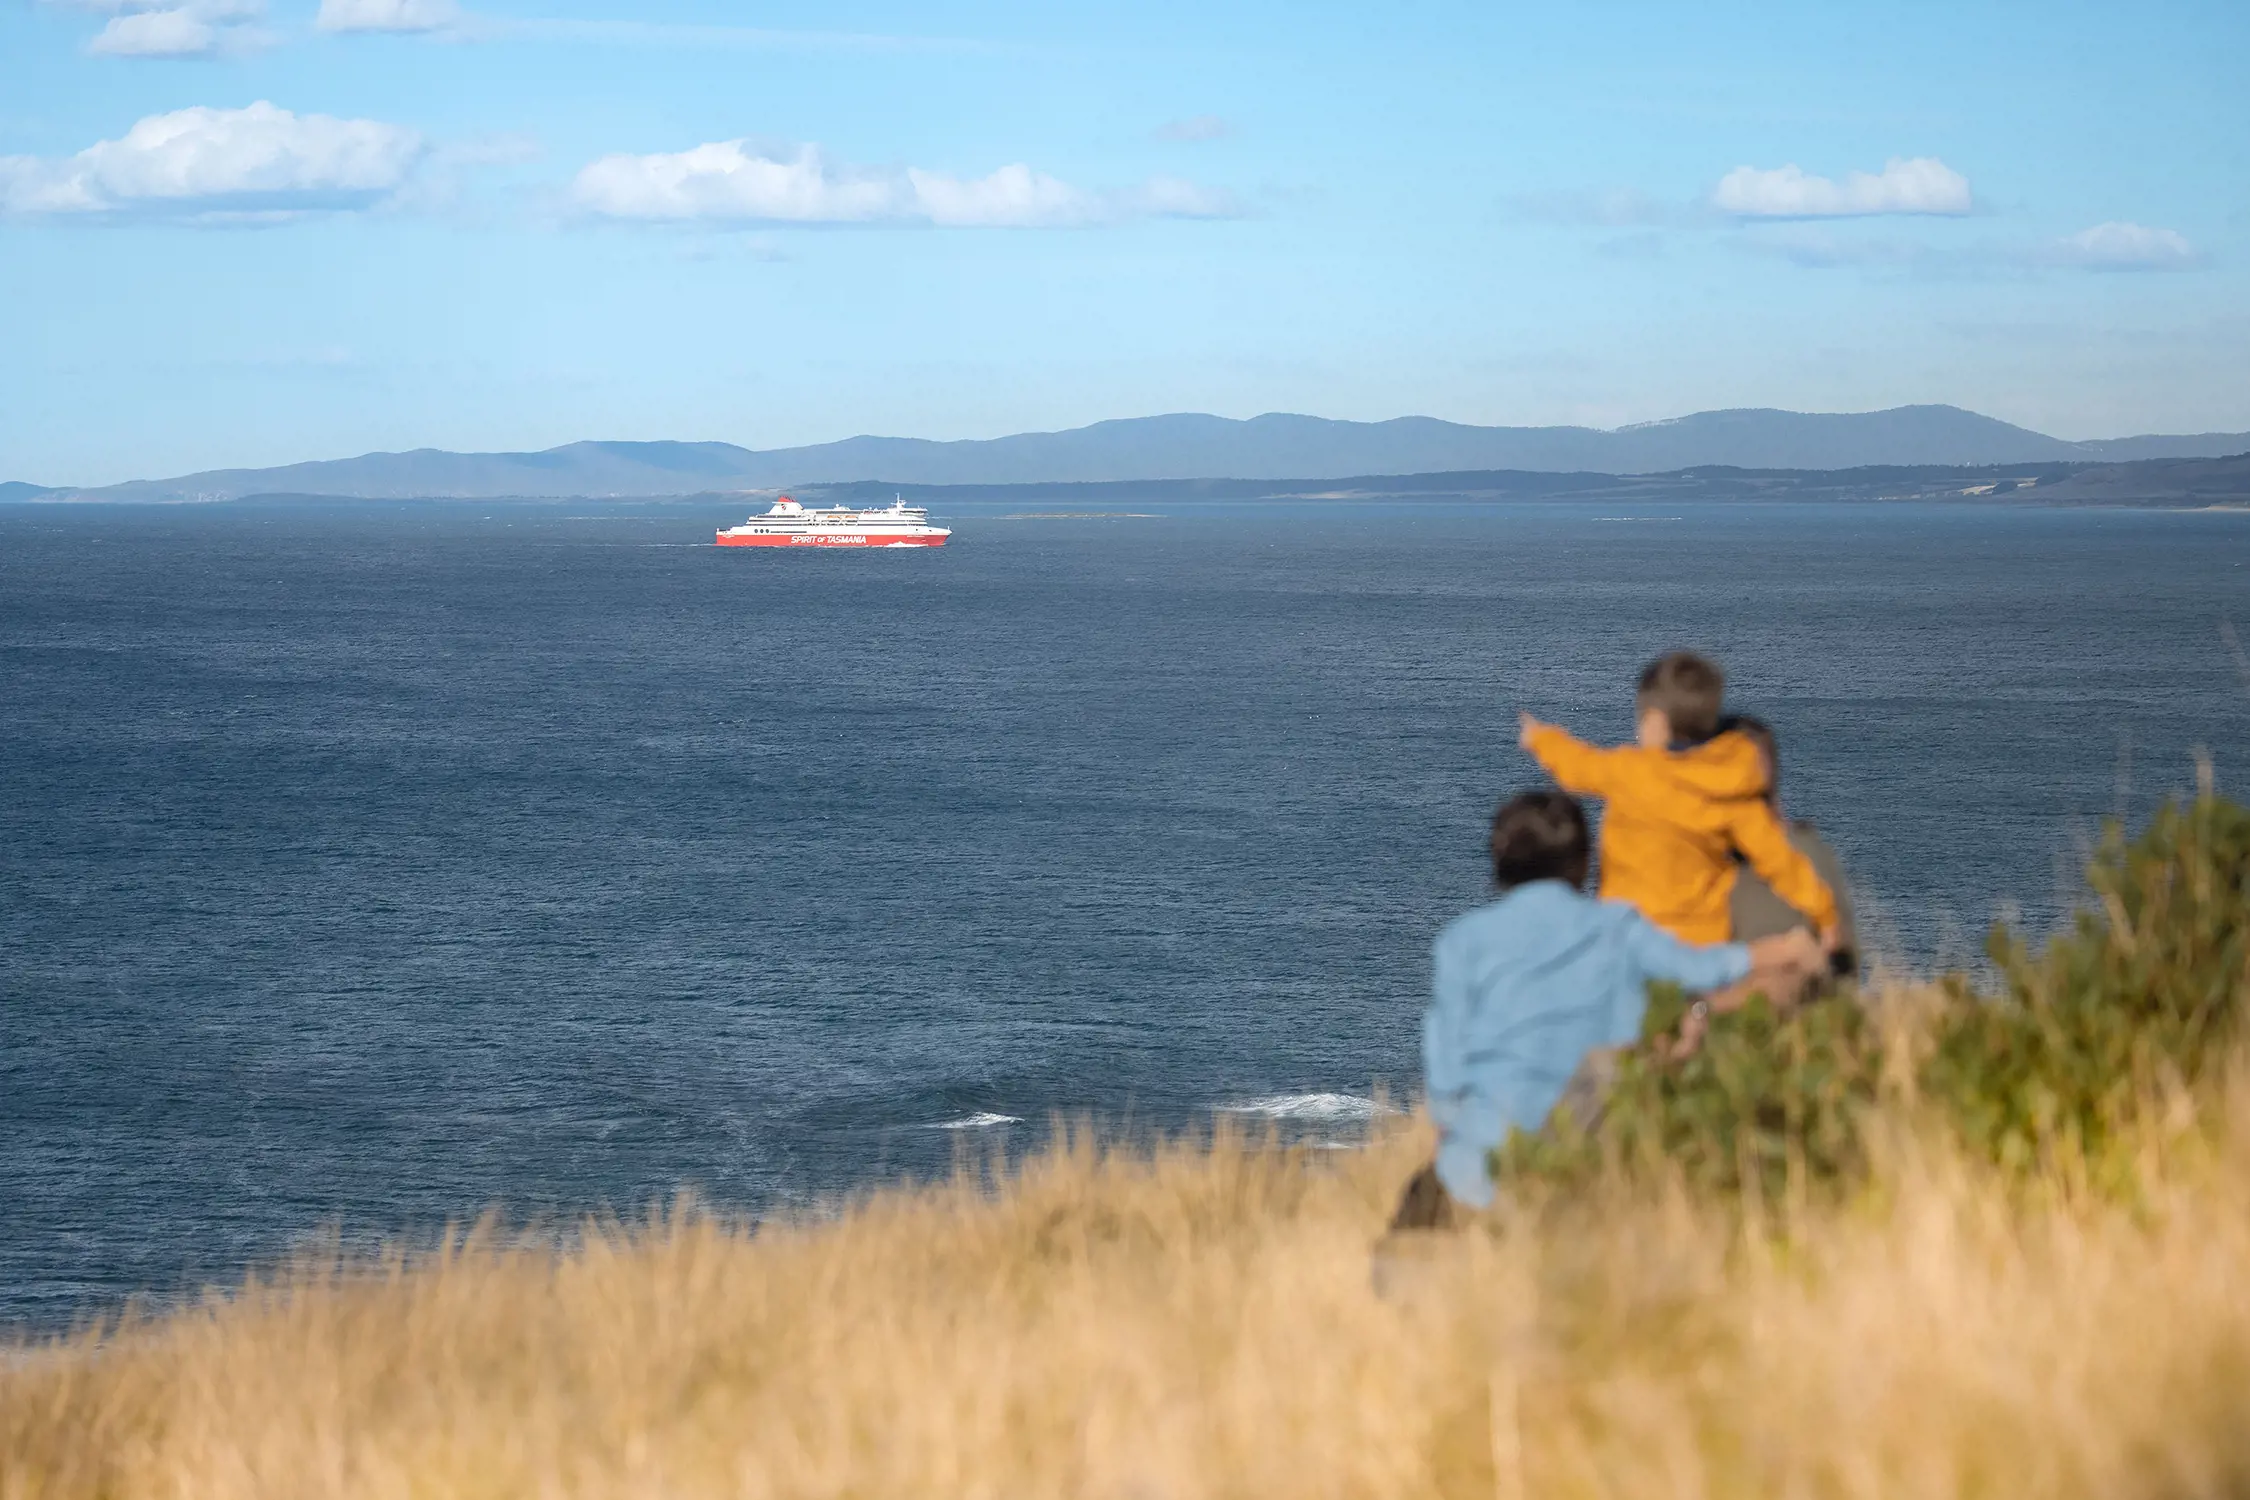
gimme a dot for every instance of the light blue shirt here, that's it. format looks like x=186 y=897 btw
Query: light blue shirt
x=1521 y=990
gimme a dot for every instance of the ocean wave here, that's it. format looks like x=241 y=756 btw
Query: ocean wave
x=983 y=1119
x=1310 y=1107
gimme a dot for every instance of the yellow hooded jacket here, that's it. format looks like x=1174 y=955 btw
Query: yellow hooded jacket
x=1673 y=820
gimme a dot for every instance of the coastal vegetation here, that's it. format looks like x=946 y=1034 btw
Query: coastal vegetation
x=1946 y=1243
x=2142 y=999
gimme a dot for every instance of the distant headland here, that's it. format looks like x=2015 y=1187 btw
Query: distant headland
x=1188 y=447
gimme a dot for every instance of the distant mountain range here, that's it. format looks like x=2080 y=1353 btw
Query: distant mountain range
x=1183 y=447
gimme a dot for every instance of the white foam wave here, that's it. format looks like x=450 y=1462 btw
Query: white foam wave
x=983 y=1119
x=1309 y=1107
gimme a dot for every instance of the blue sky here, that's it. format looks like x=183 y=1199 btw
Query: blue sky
x=256 y=231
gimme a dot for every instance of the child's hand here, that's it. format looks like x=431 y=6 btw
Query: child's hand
x=1525 y=726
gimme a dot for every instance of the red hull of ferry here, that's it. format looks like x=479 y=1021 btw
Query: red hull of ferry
x=847 y=539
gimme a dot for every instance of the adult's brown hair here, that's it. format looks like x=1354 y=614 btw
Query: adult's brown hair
x=1540 y=836
x=1688 y=689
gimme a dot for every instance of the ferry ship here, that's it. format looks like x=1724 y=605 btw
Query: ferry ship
x=789 y=524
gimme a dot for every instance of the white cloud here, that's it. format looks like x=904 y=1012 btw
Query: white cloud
x=1920 y=185
x=730 y=180
x=262 y=160
x=388 y=15
x=2122 y=246
x=1013 y=197
x=175 y=28
x=736 y=181
x=156 y=33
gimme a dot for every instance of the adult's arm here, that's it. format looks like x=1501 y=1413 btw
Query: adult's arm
x=1656 y=954
x=1779 y=967
x=1578 y=766
x=1756 y=830
x=1694 y=967
x=1831 y=868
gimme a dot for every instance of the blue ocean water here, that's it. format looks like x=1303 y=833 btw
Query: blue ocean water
x=371 y=865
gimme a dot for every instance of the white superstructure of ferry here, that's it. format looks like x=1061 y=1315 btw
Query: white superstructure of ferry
x=789 y=524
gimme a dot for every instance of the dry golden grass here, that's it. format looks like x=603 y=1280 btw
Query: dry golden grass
x=1200 y=1322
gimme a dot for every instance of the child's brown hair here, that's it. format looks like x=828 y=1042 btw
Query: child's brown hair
x=1688 y=689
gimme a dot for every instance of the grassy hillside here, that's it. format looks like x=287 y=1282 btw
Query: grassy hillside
x=2024 y=1277
x=1202 y=1324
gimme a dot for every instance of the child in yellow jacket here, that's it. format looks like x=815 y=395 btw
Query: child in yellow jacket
x=1679 y=804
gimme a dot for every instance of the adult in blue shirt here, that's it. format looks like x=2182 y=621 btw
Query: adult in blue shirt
x=1526 y=988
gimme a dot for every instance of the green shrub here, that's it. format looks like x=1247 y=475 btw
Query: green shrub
x=2146 y=993
x=1778 y=1096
